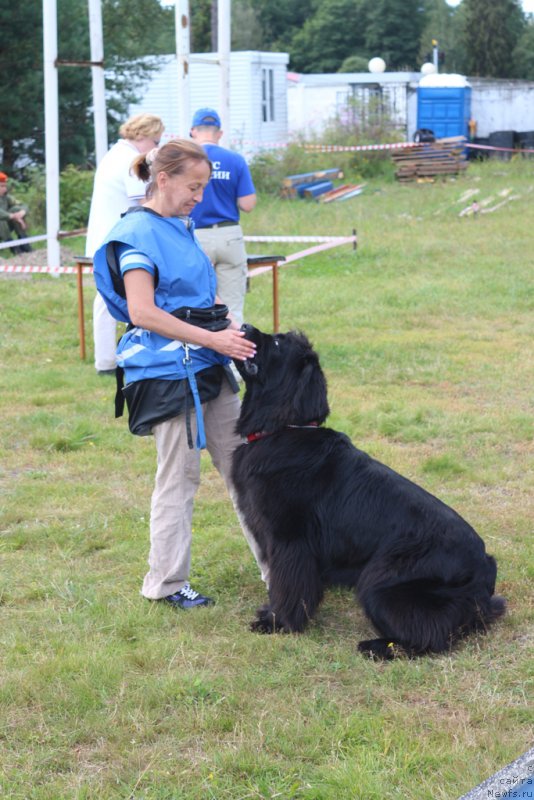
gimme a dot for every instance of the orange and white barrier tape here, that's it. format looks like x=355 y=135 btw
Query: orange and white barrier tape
x=502 y=149
x=338 y=148
x=318 y=248
x=337 y=239
x=24 y=268
x=342 y=148
x=324 y=243
x=246 y=238
x=327 y=243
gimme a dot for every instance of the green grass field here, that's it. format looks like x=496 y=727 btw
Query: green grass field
x=426 y=337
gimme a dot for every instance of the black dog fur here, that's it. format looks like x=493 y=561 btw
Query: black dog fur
x=325 y=513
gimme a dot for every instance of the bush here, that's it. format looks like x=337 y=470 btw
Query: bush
x=76 y=188
x=355 y=125
x=32 y=193
x=360 y=123
x=270 y=167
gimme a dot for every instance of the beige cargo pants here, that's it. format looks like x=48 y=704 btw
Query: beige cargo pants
x=177 y=480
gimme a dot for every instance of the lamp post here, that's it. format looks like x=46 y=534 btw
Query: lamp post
x=435 y=54
x=376 y=65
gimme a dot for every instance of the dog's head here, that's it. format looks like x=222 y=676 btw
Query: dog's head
x=284 y=383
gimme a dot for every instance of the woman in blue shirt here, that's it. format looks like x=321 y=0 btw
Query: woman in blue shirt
x=164 y=268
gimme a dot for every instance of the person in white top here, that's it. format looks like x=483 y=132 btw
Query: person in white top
x=115 y=190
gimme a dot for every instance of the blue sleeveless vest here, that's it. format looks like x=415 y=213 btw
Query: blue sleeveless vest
x=185 y=278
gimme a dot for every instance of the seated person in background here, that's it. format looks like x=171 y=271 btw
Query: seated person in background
x=12 y=217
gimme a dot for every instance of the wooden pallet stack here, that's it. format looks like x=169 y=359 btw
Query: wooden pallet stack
x=429 y=159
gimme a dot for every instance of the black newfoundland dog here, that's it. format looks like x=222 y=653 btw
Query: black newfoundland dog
x=326 y=514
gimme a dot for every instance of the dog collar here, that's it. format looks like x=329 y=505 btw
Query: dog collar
x=253 y=437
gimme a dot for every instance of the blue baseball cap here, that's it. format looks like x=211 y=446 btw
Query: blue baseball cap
x=206 y=116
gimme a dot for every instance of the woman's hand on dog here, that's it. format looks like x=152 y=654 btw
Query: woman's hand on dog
x=232 y=343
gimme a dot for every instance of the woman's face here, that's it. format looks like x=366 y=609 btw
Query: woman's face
x=179 y=194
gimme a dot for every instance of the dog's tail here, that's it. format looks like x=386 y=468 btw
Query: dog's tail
x=426 y=615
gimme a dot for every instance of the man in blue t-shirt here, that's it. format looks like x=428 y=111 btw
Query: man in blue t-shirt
x=229 y=191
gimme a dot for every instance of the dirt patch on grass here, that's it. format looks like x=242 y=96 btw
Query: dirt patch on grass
x=37 y=258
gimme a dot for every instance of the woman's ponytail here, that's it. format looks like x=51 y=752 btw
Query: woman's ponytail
x=141 y=168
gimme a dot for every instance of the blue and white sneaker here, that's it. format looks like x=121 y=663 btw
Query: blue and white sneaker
x=186 y=597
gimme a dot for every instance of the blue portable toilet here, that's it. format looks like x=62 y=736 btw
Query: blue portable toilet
x=444 y=105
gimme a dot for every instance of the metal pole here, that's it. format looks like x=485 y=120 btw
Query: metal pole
x=435 y=54
x=224 y=46
x=182 y=29
x=51 y=130
x=98 y=79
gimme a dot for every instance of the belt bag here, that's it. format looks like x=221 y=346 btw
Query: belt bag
x=214 y=318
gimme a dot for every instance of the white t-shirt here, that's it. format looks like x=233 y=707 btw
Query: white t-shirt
x=115 y=190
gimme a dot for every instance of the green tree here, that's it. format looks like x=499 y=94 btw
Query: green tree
x=354 y=64
x=343 y=33
x=201 y=24
x=393 y=31
x=135 y=28
x=491 y=31
x=442 y=24
x=127 y=37
x=21 y=79
x=523 y=55
x=281 y=20
x=256 y=24
x=247 y=30
x=335 y=32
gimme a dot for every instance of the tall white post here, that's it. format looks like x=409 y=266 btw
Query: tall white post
x=183 y=46
x=97 y=75
x=224 y=17
x=51 y=130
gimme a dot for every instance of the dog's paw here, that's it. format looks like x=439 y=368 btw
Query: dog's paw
x=265 y=621
x=262 y=626
x=381 y=649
